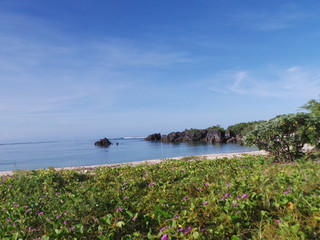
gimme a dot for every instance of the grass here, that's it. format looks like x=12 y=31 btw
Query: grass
x=241 y=198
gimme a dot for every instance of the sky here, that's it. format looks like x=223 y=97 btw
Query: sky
x=81 y=69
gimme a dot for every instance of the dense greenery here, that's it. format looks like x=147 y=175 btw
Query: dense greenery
x=284 y=136
x=243 y=128
x=192 y=198
x=313 y=106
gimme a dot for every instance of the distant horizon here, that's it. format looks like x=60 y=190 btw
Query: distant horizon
x=81 y=69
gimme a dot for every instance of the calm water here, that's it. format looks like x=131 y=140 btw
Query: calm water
x=34 y=155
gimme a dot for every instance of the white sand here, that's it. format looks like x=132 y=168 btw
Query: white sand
x=155 y=161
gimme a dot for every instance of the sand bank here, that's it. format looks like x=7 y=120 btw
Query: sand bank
x=155 y=161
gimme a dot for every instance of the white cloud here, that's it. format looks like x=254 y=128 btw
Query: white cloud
x=292 y=82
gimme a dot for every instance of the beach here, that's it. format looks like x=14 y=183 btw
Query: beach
x=154 y=161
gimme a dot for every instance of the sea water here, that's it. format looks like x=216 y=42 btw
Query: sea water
x=73 y=153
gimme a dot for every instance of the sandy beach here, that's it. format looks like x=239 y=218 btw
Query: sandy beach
x=154 y=161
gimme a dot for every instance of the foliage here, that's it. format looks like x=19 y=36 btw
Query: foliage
x=216 y=127
x=192 y=198
x=243 y=128
x=313 y=106
x=284 y=136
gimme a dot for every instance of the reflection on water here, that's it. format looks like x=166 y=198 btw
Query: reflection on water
x=34 y=155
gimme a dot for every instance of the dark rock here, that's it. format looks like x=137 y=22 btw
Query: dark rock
x=153 y=137
x=215 y=136
x=103 y=142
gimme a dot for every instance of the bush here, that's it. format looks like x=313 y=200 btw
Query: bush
x=284 y=136
x=243 y=128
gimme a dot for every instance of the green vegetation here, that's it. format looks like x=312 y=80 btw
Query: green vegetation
x=192 y=198
x=243 y=128
x=313 y=106
x=284 y=136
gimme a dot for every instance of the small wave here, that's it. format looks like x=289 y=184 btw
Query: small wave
x=24 y=143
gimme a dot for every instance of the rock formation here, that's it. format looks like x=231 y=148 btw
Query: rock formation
x=210 y=135
x=103 y=142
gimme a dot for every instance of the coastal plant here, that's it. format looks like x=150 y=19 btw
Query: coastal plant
x=284 y=136
x=247 y=197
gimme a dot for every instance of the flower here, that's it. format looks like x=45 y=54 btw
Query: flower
x=164 y=228
x=206 y=184
x=198 y=189
x=185 y=198
x=181 y=229
x=279 y=221
x=244 y=196
x=227 y=194
x=228 y=184
x=40 y=213
x=286 y=192
x=8 y=219
x=71 y=228
x=133 y=219
x=65 y=222
x=164 y=237
x=25 y=207
x=188 y=230
x=205 y=203
x=235 y=204
x=28 y=210
x=125 y=197
x=119 y=209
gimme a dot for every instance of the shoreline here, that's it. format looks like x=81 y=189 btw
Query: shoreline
x=154 y=161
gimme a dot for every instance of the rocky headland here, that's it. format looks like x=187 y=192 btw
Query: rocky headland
x=210 y=135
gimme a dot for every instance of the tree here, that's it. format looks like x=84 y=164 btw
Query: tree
x=313 y=106
x=284 y=136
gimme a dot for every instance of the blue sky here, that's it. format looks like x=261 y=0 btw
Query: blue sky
x=91 y=69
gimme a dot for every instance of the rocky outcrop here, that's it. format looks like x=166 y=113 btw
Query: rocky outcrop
x=153 y=137
x=210 y=135
x=103 y=142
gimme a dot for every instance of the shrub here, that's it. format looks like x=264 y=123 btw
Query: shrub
x=285 y=135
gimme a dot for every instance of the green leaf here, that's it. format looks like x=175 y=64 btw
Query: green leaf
x=120 y=224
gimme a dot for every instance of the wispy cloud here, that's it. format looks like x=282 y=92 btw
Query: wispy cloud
x=292 y=82
x=286 y=17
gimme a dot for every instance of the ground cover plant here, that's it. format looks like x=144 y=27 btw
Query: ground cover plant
x=247 y=197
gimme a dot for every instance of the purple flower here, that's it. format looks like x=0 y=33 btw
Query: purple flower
x=71 y=228
x=8 y=219
x=185 y=198
x=151 y=184
x=286 y=192
x=221 y=199
x=244 y=196
x=228 y=184
x=227 y=194
x=164 y=228
x=279 y=221
x=188 y=230
x=133 y=219
x=235 y=204
x=198 y=189
x=181 y=229
x=125 y=197
x=206 y=184
x=59 y=216
x=205 y=203
x=119 y=209
x=28 y=210
x=164 y=237
x=25 y=207
x=40 y=213
x=14 y=224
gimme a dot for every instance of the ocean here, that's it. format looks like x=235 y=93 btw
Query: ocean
x=73 y=153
